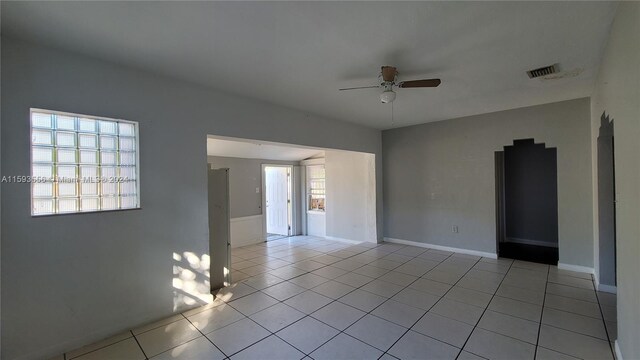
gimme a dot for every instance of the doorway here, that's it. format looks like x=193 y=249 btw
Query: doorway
x=350 y=190
x=278 y=194
x=606 y=205
x=527 y=202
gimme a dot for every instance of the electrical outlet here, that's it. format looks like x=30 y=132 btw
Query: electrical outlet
x=454 y=229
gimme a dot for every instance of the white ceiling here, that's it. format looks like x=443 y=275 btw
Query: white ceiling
x=297 y=54
x=259 y=150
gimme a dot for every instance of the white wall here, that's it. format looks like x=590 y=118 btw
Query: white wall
x=73 y=279
x=350 y=183
x=316 y=224
x=442 y=174
x=246 y=230
x=617 y=93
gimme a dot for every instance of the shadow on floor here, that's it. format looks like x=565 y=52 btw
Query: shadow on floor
x=533 y=253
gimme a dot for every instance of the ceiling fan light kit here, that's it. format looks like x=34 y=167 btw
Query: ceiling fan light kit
x=387 y=95
x=388 y=76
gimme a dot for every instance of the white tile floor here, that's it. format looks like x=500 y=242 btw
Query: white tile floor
x=305 y=297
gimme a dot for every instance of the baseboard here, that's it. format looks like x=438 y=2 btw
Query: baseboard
x=604 y=288
x=245 y=218
x=576 y=268
x=607 y=288
x=443 y=248
x=342 y=239
x=246 y=230
x=618 y=352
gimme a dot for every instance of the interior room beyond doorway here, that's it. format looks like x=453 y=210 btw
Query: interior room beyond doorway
x=279 y=190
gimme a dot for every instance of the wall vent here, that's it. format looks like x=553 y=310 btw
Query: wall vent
x=543 y=71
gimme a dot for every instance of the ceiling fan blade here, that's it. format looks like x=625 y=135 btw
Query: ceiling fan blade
x=419 y=83
x=360 y=87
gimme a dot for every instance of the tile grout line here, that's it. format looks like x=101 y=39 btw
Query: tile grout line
x=369 y=313
x=140 y=346
x=574 y=332
x=256 y=291
x=235 y=322
x=572 y=286
x=407 y=286
x=376 y=278
x=97 y=349
x=515 y=316
x=309 y=315
x=431 y=307
x=544 y=300
x=283 y=281
x=427 y=311
x=604 y=323
x=201 y=333
x=182 y=314
x=362 y=251
x=377 y=257
x=337 y=300
x=485 y=310
x=387 y=299
x=569 y=312
x=355 y=288
x=561 y=296
x=420 y=277
x=576 y=313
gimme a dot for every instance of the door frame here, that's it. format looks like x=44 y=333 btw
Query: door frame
x=292 y=195
x=501 y=227
x=217 y=216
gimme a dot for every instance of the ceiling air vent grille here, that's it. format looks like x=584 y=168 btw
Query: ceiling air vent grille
x=543 y=71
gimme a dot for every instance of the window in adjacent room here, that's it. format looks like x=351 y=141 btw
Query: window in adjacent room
x=82 y=163
x=316 y=187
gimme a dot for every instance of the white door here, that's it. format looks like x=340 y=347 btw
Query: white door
x=277 y=200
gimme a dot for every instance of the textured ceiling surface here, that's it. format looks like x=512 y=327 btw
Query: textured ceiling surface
x=297 y=54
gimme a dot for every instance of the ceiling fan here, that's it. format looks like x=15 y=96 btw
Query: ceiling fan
x=388 y=79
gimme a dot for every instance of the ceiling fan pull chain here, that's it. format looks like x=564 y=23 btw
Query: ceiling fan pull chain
x=393 y=123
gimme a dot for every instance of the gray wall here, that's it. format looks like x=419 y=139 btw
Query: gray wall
x=617 y=92
x=441 y=174
x=69 y=280
x=245 y=175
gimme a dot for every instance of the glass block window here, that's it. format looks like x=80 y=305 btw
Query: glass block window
x=82 y=163
x=316 y=188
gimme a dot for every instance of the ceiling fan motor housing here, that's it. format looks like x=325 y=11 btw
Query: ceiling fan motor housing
x=389 y=74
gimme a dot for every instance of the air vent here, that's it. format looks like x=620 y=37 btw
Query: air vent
x=543 y=71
